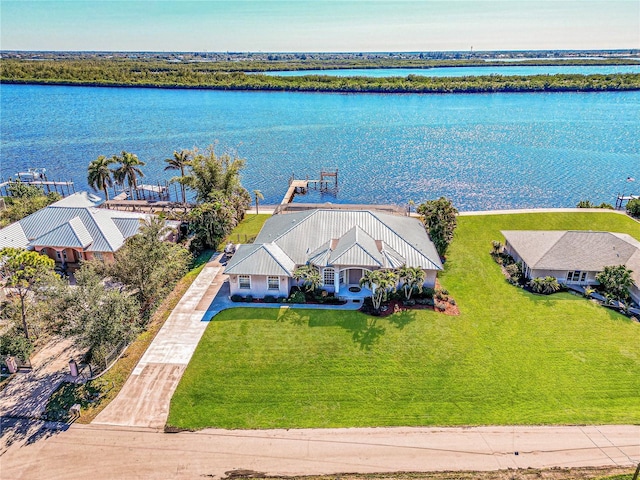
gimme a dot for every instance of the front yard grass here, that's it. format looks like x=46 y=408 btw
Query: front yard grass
x=509 y=358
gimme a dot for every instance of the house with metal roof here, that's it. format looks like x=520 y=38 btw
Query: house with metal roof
x=574 y=257
x=74 y=229
x=342 y=244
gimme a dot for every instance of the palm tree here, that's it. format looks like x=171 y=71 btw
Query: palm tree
x=412 y=278
x=179 y=161
x=128 y=170
x=99 y=174
x=310 y=277
x=380 y=282
x=258 y=195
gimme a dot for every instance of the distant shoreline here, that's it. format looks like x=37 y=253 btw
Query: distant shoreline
x=494 y=84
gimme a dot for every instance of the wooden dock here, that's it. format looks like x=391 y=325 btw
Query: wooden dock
x=622 y=200
x=148 y=206
x=328 y=183
x=48 y=186
x=295 y=186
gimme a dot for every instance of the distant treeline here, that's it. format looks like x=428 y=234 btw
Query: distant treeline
x=219 y=75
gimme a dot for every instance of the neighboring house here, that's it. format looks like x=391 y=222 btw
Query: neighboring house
x=574 y=257
x=343 y=244
x=74 y=229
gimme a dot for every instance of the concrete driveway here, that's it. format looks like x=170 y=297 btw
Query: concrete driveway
x=145 y=397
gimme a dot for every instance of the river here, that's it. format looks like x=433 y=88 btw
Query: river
x=484 y=151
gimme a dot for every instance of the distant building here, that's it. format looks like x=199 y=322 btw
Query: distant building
x=574 y=257
x=342 y=244
x=74 y=229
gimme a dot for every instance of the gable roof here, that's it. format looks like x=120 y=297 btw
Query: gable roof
x=349 y=237
x=573 y=249
x=70 y=234
x=356 y=247
x=260 y=259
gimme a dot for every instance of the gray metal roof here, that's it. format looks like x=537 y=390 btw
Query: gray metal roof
x=70 y=234
x=356 y=248
x=108 y=229
x=573 y=249
x=260 y=259
x=382 y=239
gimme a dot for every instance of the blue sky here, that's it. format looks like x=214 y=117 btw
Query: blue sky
x=320 y=25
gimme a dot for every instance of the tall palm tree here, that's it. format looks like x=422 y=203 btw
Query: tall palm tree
x=179 y=161
x=128 y=170
x=258 y=196
x=99 y=174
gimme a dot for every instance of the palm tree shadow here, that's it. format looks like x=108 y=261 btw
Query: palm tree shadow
x=289 y=315
x=402 y=319
x=366 y=332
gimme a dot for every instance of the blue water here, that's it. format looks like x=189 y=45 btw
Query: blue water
x=466 y=71
x=484 y=151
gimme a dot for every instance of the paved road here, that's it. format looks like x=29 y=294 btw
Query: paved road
x=145 y=397
x=103 y=452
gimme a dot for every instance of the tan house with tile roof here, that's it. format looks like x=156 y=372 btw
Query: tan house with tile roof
x=574 y=257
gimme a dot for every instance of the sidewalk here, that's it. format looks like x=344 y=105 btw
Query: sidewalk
x=145 y=397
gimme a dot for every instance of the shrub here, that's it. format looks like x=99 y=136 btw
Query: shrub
x=427 y=292
x=248 y=298
x=616 y=281
x=441 y=306
x=544 y=286
x=452 y=301
x=514 y=270
x=606 y=206
x=409 y=303
x=297 y=297
x=633 y=207
x=15 y=344
x=270 y=299
x=236 y=298
x=442 y=294
x=496 y=247
x=585 y=204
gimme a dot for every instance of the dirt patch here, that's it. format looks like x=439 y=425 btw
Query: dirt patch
x=584 y=473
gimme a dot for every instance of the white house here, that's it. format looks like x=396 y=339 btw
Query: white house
x=343 y=244
x=74 y=229
x=574 y=257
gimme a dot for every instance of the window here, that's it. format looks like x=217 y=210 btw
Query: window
x=329 y=276
x=244 y=281
x=576 y=276
x=98 y=255
x=273 y=283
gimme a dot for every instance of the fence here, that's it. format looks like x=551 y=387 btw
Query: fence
x=97 y=370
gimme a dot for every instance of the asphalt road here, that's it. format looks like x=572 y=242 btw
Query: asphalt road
x=110 y=452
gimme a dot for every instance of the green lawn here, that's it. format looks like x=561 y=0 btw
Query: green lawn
x=247 y=230
x=509 y=358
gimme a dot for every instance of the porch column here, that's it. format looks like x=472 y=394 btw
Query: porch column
x=336 y=279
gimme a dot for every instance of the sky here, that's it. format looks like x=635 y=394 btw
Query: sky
x=318 y=25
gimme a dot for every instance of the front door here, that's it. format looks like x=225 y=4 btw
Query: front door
x=355 y=274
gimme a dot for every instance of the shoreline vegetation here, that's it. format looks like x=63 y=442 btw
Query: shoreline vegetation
x=225 y=75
